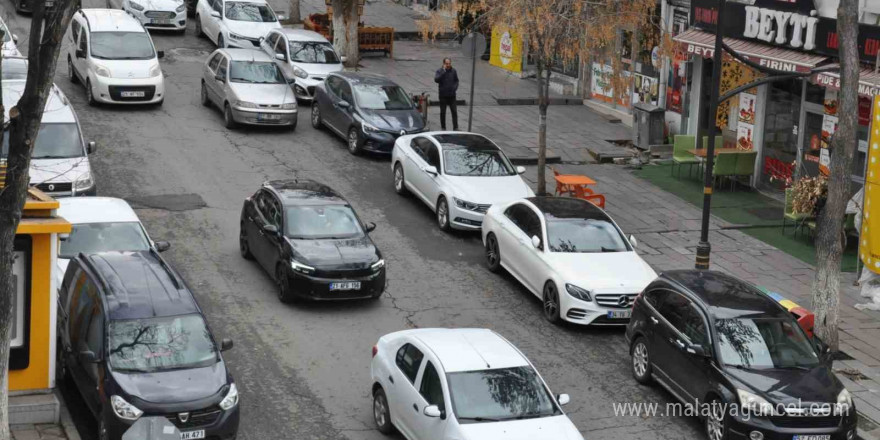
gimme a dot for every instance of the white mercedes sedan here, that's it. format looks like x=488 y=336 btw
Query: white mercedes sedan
x=570 y=254
x=458 y=175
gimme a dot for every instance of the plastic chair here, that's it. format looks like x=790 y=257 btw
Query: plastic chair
x=725 y=165
x=587 y=194
x=745 y=163
x=788 y=213
x=681 y=155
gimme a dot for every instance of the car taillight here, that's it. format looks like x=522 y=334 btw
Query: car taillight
x=375 y=350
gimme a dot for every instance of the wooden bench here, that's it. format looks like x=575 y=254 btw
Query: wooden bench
x=376 y=39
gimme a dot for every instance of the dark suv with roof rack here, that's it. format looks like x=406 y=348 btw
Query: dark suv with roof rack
x=135 y=343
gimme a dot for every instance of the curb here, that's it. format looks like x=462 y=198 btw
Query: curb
x=534 y=101
x=67 y=423
x=533 y=160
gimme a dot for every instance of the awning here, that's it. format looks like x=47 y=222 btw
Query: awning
x=869 y=82
x=697 y=42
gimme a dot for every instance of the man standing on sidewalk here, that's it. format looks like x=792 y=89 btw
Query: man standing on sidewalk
x=447 y=79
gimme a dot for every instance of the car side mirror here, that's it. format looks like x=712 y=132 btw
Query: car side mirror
x=280 y=57
x=88 y=357
x=160 y=54
x=270 y=229
x=344 y=104
x=281 y=17
x=163 y=246
x=632 y=241
x=15 y=38
x=291 y=81
x=215 y=14
x=91 y=147
x=64 y=236
x=343 y=58
x=80 y=53
x=823 y=350
x=536 y=242
x=697 y=350
x=563 y=399
x=433 y=411
x=219 y=77
x=520 y=170
x=225 y=344
x=370 y=227
x=431 y=169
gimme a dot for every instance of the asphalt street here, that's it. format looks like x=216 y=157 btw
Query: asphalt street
x=303 y=369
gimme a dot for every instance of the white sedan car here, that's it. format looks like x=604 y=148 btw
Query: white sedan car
x=155 y=14
x=462 y=384
x=570 y=254
x=235 y=23
x=458 y=175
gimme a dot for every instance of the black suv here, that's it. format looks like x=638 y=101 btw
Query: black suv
x=753 y=372
x=135 y=343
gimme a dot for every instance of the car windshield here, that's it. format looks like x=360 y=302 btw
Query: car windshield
x=242 y=11
x=91 y=238
x=14 y=68
x=467 y=162
x=584 y=235
x=315 y=222
x=54 y=141
x=376 y=97
x=122 y=46
x=7 y=36
x=314 y=52
x=764 y=343
x=154 y=344
x=255 y=72
x=499 y=394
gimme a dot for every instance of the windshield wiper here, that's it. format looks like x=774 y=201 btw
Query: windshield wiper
x=242 y=80
x=605 y=249
x=52 y=157
x=530 y=416
x=480 y=419
x=793 y=367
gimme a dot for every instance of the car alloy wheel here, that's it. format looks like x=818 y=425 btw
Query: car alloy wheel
x=284 y=294
x=71 y=74
x=204 y=95
x=199 y=32
x=443 y=214
x=243 y=246
x=715 y=428
x=221 y=43
x=316 y=116
x=493 y=256
x=399 y=182
x=641 y=362
x=551 y=302
x=381 y=413
x=354 y=142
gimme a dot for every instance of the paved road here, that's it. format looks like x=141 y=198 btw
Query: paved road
x=304 y=369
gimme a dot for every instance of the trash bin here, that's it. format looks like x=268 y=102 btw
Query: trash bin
x=648 y=121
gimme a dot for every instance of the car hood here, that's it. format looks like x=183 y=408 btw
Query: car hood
x=275 y=94
x=58 y=170
x=788 y=386
x=614 y=272
x=489 y=190
x=315 y=69
x=161 y=5
x=129 y=68
x=544 y=428
x=394 y=120
x=355 y=253
x=251 y=29
x=175 y=386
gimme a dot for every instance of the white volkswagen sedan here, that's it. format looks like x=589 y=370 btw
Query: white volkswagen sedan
x=458 y=175
x=570 y=254
x=235 y=23
x=462 y=384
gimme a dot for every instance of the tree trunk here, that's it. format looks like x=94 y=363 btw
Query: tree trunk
x=345 y=30
x=338 y=26
x=543 y=102
x=294 y=12
x=829 y=239
x=24 y=123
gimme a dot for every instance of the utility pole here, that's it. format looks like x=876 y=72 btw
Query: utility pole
x=473 y=78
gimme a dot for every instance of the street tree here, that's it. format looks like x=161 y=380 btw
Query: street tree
x=829 y=238
x=295 y=14
x=21 y=127
x=345 y=30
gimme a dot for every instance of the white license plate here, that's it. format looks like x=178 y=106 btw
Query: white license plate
x=132 y=94
x=619 y=314
x=191 y=435
x=268 y=117
x=160 y=21
x=347 y=285
x=812 y=437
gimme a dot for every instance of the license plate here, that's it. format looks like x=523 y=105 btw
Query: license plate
x=268 y=117
x=190 y=435
x=619 y=314
x=132 y=94
x=813 y=437
x=347 y=285
x=160 y=21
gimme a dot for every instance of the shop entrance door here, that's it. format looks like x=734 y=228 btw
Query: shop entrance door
x=810 y=141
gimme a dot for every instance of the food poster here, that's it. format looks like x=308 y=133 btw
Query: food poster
x=744 y=137
x=829 y=126
x=830 y=102
x=747 y=108
x=646 y=90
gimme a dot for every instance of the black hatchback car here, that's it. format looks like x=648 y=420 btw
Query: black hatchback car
x=369 y=111
x=311 y=241
x=136 y=344
x=716 y=340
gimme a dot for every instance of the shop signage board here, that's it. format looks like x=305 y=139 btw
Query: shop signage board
x=506 y=51
x=869 y=244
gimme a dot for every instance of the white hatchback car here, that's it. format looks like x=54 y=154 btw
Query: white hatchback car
x=458 y=175
x=10 y=41
x=570 y=254
x=113 y=56
x=155 y=14
x=235 y=23
x=304 y=55
x=462 y=384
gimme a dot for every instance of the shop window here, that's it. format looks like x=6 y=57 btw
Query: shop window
x=780 y=144
x=19 y=347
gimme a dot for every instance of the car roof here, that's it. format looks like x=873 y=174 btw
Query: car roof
x=470 y=349
x=568 y=207
x=464 y=141
x=111 y=20
x=304 y=192
x=723 y=295
x=57 y=110
x=79 y=210
x=246 y=55
x=140 y=285
x=365 y=78
x=302 y=35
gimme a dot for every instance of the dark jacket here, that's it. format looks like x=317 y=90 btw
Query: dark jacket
x=448 y=81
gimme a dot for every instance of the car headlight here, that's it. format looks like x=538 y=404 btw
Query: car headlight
x=844 y=402
x=464 y=204
x=231 y=398
x=301 y=268
x=102 y=71
x=135 y=6
x=289 y=106
x=755 y=404
x=378 y=265
x=245 y=104
x=300 y=72
x=84 y=182
x=367 y=128
x=236 y=37
x=181 y=8
x=123 y=409
x=155 y=71
x=577 y=292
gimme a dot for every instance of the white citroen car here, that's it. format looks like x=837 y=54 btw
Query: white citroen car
x=458 y=175
x=235 y=23
x=304 y=55
x=462 y=384
x=155 y=14
x=570 y=254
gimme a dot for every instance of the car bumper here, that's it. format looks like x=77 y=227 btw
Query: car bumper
x=111 y=90
x=465 y=219
x=224 y=427
x=264 y=117
x=242 y=44
x=741 y=428
x=318 y=287
x=304 y=88
x=383 y=141
x=582 y=312
x=176 y=22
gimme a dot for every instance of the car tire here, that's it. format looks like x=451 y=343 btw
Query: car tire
x=243 y=247
x=228 y=119
x=715 y=422
x=381 y=412
x=354 y=141
x=199 y=31
x=102 y=429
x=204 y=95
x=399 y=180
x=316 y=116
x=221 y=43
x=71 y=73
x=551 y=303
x=641 y=361
x=283 y=282
x=493 y=253
x=443 y=214
x=292 y=127
x=90 y=97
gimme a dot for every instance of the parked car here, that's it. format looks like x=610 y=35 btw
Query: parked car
x=9 y=46
x=569 y=253
x=14 y=68
x=112 y=55
x=249 y=88
x=369 y=111
x=462 y=384
x=310 y=240
x=60 y=158
x=235 y=23
x=155 y=14
x=24 y=6
x=304 y=55
x=100 y=224
x=709 y=336
x=135 y=342
x=458 y=175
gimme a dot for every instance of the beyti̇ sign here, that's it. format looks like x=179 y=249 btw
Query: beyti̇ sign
x=806 y=25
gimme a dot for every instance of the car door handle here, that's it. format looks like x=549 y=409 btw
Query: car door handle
x=680 y=344
x=390 y=379
x=654 y=320
x=415 y=407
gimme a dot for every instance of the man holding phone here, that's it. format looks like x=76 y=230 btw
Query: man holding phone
x=447 y=79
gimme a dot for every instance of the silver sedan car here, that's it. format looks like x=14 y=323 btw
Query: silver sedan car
x=249 y=88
